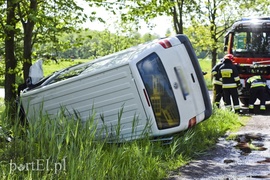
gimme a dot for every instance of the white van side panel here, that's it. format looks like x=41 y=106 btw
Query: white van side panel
x=105 y=92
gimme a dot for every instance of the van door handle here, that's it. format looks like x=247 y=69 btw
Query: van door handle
x=193 y=79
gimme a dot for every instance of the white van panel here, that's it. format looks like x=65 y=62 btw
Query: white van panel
x=106 y=93
x=191 y=76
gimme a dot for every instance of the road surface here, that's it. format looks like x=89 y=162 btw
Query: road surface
x=245 y=158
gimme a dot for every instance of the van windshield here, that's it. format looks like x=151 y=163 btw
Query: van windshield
x=159 y=90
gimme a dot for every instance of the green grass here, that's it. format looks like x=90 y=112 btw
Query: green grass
x=65 y=149
x=207 y=67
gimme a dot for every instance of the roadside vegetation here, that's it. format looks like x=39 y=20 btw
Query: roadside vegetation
x=206 y=67
x=64 y=149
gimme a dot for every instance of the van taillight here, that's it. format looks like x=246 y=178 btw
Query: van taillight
x=192 y=122
x=165 y=43
x=146 y=97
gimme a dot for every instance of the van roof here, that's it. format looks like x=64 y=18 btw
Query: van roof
x=113 y=60
x=118 y=58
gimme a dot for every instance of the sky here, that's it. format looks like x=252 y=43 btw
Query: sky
x=161 y=24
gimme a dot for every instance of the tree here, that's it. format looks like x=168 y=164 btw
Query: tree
x=179 y=10
x=28 y=22
x=89 y=44
x=41 y=21
x=10 y=62
x=217 y=17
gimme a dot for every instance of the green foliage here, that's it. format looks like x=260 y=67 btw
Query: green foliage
x=64 y=148
x=206 y=67
x=85 y=44
x=88 y=44
x=51 y=25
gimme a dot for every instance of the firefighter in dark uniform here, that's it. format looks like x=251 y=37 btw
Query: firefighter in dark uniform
x=217 y=91
x=257 y=88
x=230 y=82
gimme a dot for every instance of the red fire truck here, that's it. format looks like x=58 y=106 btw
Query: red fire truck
x=249 y=41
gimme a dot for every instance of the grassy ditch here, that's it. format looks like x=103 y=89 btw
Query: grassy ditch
x=64 y=149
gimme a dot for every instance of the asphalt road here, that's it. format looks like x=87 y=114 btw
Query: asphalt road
x=245 y=158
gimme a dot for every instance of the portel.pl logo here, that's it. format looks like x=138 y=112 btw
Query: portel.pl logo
x=38 y=165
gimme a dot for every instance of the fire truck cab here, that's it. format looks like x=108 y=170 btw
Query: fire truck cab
x=249 y=41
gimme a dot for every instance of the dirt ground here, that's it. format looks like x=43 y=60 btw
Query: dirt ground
x=246 y=157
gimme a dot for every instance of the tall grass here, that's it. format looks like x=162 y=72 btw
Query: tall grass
x=68 y=149
x=46 y=148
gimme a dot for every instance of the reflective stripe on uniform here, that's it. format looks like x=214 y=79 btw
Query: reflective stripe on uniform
x=256 y=81
x=251 y=106
x=231 y=85
x=257 y=84
x=217 y=82
x=237 y=107
x=226 y=73
x=262 y=107
x=253 y=78
x=237 y=78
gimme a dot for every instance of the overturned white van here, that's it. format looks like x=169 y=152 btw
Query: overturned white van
x=159 y=83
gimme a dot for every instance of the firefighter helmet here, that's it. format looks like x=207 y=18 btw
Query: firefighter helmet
x=229 y=57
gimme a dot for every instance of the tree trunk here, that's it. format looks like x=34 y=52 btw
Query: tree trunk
x=178 y=17
x=10 y=61
x=214 y=57
x=28 y=28
x=27 y=52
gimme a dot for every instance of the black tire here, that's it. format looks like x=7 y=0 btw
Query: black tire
x=244 y=101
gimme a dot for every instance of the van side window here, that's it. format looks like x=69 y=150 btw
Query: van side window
x=68 y=73
x=160 y=92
